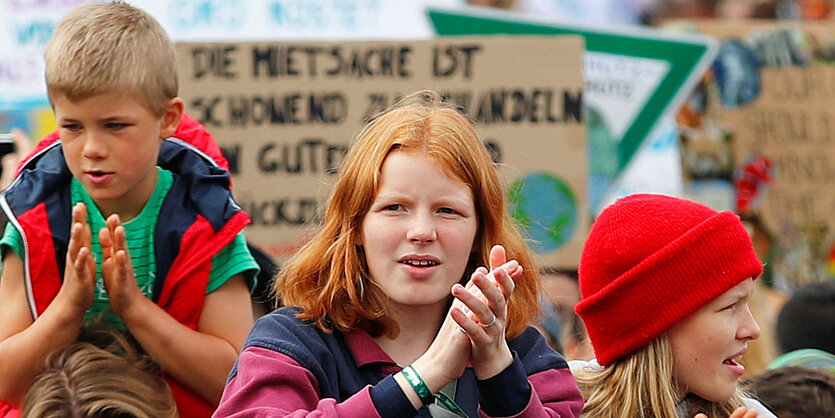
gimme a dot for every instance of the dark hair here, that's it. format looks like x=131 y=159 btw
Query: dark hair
x=795 y=392
x=807 y=320
x=263 y=292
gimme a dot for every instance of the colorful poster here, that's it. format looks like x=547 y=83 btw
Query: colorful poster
x=763 y=121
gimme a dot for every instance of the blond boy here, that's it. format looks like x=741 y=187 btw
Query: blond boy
x=119 y=221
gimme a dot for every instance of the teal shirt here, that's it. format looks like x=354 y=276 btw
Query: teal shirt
x=233 y=259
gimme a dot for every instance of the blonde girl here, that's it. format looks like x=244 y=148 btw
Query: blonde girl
x=665 y=284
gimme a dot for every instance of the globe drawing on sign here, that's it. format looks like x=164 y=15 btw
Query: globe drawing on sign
x=545 y=209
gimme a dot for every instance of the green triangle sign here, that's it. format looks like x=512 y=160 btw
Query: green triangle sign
x=633 y=75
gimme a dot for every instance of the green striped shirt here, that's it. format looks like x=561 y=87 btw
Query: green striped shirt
x=233 y=259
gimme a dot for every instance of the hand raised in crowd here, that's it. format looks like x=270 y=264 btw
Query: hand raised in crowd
x=117 y=268
x=741 y=412
x=79 y=286
x=486 y=296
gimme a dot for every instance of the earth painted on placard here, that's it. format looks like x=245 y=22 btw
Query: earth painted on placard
x=545 y=209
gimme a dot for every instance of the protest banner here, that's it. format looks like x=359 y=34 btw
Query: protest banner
x=285 y=112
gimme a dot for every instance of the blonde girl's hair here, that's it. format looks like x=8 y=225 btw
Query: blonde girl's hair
x=108 y=48
x=87 y=380
x=329 y=277
x=642 y=385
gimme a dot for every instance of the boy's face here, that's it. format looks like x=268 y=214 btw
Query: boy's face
x=111 y=144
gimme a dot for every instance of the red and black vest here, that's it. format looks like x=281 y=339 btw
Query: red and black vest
x=197 y=219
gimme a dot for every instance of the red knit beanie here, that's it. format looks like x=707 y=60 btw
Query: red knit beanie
x=651 y=261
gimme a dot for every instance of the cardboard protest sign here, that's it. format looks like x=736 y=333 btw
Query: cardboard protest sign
x=285 y=113
x=775 y=86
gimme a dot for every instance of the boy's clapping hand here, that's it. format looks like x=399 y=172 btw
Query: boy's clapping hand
x=80 y=273
x=117 y=267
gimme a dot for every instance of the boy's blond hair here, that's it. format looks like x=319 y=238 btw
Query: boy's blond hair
x=112 y=47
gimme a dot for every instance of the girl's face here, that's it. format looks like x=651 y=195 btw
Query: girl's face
x=707 y=345
x=419 y=232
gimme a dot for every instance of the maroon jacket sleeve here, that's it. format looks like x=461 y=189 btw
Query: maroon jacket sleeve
x=269 y=383
x=556 y=390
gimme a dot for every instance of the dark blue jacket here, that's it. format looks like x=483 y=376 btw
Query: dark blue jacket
x=345 y=366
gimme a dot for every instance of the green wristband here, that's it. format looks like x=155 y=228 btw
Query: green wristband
x=418 y=385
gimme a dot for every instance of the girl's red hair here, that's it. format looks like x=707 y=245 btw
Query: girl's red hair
x=329 y=277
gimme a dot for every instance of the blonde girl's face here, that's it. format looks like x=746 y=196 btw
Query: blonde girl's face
x=707 y=345
x=419 y=232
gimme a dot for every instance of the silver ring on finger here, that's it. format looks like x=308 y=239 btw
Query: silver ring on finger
x=491 y=323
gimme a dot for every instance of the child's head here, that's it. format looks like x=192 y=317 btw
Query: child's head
x=85 y=380
x=795 y=392
x=111 y=48
x=656 y=266
x=111 y=76
x=423 y=125
x=807 y=319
